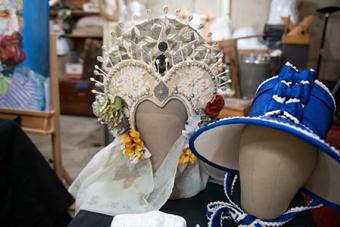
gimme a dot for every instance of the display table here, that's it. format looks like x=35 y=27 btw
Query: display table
x=192 y=210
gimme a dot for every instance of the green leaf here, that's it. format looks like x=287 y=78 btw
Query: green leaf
x=118 y=103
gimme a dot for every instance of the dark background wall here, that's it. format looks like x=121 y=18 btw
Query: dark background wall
x=330 y=68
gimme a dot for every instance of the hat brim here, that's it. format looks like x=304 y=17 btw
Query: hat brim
x=218 y=145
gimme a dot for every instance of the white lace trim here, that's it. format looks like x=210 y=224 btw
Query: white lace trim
x=191 y=126
x=264 y=82
x=287 y=83
x=279 y=98
x=292 y=100
x=237 y=214
x=291 y=65
x=324 y=87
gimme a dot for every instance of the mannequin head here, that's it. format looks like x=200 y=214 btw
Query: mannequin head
x=273 y=166
x=160 y=127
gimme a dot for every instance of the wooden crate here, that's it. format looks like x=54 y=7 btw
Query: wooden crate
x=233 y=112
x=76 y=97
x=235 y=107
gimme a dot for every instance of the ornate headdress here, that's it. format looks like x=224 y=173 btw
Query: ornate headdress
x=157 y=60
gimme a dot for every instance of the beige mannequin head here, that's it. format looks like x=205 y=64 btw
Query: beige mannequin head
x=160 y=127
x=273 y=166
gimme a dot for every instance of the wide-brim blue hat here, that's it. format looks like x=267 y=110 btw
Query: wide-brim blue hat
x=293 y=102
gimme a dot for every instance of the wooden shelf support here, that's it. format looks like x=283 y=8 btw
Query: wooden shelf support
x=45 y=123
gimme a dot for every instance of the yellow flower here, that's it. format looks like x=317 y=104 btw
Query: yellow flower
x=134 y=146
x=137 y=140
x=130 y=153
x=126 y=139
x=138 y=148
x=134 y=134
x=128 y=146
x=193 y=159
x=187 y=156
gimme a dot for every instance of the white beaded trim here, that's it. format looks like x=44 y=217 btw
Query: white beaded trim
x=240 y=214
x=279 y=98
x=324 y=87
x=267 y=80
x=291 y=65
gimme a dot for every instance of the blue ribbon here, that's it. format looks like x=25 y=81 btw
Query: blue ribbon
x=294 y=109
x=218 y=211
x=291 y=93
x=289 y=73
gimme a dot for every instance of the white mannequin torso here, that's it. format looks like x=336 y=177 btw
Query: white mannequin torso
x=273 y=166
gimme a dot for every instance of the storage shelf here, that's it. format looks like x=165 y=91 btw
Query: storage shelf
x=31 y=121
x=77 y=13
x=79 y=36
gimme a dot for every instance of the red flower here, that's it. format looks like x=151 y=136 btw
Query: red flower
x=212 y=109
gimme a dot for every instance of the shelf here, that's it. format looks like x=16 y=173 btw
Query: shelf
x=84 y=36
x=32 y=121
x=65 y=79
x=77 y=13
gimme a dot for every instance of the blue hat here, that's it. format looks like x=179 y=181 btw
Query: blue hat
x=293 y=102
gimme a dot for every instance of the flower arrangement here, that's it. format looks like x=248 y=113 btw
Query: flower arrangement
x=212 y=109
x=187 y=157
x=134 y=146
x=115 y=114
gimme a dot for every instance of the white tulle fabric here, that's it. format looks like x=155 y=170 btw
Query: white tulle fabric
x=110 y=184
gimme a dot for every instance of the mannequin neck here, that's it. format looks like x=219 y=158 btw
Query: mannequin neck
x=274 y=165
x=160 y=127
